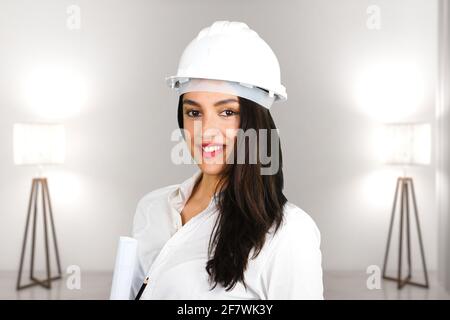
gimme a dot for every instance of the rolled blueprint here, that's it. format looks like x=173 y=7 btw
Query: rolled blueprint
x=124 y=268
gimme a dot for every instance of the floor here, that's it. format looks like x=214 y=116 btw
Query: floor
x=338 y=285
x=345 y=285
x=94 y=285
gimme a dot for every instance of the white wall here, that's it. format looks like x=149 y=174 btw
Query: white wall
x=443 y=145
x=119 y=143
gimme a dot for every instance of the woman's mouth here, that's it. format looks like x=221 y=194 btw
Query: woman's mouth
x=211 y=150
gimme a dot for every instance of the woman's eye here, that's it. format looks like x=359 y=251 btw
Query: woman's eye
x=193 y=113
x=228 y=113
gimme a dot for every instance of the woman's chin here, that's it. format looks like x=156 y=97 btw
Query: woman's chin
x=211 y=169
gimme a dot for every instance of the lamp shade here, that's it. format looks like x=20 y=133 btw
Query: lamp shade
x=406 y=143
x=38 y=143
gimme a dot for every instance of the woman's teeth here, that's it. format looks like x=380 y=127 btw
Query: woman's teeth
x=211 y=148
x=212 y=151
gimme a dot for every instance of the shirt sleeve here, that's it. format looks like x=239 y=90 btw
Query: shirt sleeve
x=293 y=269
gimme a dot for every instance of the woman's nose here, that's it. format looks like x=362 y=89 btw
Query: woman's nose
x=210 y=126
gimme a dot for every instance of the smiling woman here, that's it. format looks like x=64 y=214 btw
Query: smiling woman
x=227 y=232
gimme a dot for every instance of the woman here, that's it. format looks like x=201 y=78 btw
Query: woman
x=227 y=232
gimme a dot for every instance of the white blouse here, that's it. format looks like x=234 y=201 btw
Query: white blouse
x=173 y=256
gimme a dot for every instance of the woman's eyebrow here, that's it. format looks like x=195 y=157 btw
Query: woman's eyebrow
x=225 y=102
x=218 y=103
x=191 y=102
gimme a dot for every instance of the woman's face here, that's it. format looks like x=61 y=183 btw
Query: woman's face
x=211 y=120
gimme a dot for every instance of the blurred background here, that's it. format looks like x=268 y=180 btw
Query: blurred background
x=350 y=67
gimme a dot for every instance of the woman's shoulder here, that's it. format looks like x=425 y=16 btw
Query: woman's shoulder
x=297 y=225
x=292 y=267
x=152 y=202
x=156 y=195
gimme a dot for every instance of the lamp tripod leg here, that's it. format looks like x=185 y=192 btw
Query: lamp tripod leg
x=52 y=225
x=47 y=257
x=391 y=224
x=33 y=239
x=419 y=233
x=400 y=241
x=25 y=236
x=408 y=233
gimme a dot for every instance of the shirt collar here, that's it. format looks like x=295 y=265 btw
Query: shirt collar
x=181 y=194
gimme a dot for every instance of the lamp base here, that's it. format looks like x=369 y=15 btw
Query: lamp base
x=406 y=185
x=47 y=208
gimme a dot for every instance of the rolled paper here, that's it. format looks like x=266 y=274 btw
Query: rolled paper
x=124 y=269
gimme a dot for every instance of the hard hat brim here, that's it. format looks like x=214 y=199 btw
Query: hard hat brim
x=175 y=81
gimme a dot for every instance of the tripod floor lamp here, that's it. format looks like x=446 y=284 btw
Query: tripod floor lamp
x=39 y=144
x=406 y=144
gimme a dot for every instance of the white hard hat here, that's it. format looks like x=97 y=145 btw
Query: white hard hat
x=231 y=51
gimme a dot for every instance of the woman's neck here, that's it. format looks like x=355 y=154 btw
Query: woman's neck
x=206 y=186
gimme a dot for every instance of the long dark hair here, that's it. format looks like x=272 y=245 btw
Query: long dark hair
x=249 y=204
